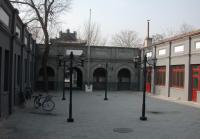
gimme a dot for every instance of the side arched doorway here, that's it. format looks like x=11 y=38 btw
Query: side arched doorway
x=51 y=78
x=99 y=78
x=77 y=79
x=124 y=79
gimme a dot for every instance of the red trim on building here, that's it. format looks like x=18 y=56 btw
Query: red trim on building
x=195 y=81
x=148 y=81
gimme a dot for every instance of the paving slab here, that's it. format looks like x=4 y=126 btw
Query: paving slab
x=94 y=118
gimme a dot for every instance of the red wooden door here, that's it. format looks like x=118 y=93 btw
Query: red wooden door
x=195 y=81
x=148 y=80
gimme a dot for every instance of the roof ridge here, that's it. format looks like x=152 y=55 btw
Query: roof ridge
x=178 y=36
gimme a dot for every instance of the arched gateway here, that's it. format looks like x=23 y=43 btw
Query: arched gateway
x=99 y=78
x=77 y=78
x=124 y=79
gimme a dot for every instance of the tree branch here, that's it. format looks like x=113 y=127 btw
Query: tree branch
x=50 y=5
x=21 y=2
x=34 y=19
x=38 y=14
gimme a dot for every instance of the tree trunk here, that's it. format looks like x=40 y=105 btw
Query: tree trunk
x=44 y=62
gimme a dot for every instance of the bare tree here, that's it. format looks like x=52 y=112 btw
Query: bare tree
x=92 y=33
x=157 y=37
x=43 y=13
x=103 y=41
x=185 y=28
x=126 y=38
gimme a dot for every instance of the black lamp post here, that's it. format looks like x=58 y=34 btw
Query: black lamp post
x=144 y=62
x=79 y=62
x=143 y=117
x=70 y=119
x=60 y=61
x=106 y=82
x=63 y=98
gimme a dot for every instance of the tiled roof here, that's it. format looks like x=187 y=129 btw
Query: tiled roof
x=177 y=37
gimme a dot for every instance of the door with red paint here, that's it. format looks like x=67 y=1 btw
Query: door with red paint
x=148 y=80
x=195 y=81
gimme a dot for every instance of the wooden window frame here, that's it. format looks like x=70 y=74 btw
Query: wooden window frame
x=18 y=31
x=162 y=52
x=179 y=49
x=161 y=75
x=197 y=45
x=177 y=76
x=8 y=16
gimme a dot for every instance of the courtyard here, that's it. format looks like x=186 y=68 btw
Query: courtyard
x=94 y=118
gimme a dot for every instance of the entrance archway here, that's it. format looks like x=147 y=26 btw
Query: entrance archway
x=99 y=78
x=50 y=72
x=77 y=78
x=124 y=79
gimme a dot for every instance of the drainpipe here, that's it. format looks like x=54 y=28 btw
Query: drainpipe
x=154 y=72
x=34 y=63
x=28 y=61
x=21 y=60
x=169 y=68
x=140 y=73
x=189 y=72
x=11 y=59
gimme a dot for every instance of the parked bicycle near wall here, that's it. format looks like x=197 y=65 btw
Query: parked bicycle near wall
x=28 y=92
x=25 y=95
x=45 y=102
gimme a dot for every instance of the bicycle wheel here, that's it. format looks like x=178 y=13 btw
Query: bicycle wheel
x=48 y=105
x=36 y=102
x=28 y=93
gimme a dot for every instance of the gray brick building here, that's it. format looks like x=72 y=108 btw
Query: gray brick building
x=177 y=71
x=16 y=58
x=121 y=72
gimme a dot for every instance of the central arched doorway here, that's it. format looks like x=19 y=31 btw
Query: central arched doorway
x=99 y=78
x=77 y=78
x=124 y=79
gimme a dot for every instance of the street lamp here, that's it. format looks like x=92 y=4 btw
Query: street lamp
x=70 y=119
x=64 y=80
x=62 y=60
x=106 y=82
x=145 y=61
x=71 y=54
x=68 y=61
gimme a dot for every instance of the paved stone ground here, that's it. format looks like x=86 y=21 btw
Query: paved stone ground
x=99 y=119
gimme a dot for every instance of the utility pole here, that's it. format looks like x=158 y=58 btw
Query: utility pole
x=89 y=86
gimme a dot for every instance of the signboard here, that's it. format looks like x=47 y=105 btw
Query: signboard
x=75 y=52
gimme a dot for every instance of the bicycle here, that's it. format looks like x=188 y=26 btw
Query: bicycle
x=25 y=95
x=45 y=102
x=28 y=92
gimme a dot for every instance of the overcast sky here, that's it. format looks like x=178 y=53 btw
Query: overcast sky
x=116 y=15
